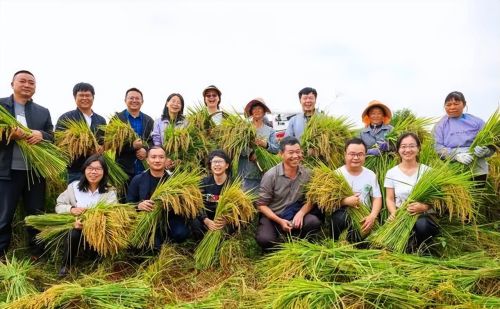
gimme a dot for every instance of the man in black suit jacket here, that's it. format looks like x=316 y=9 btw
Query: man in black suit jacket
x=16 y=179
x=84 y=98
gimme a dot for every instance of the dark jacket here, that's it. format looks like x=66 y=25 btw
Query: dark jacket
x=126 y=157
x=97 y=121
x=142 y=187
x=37 y=118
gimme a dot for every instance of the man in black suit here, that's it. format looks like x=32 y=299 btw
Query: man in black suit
x=16 y=178
x=84 y=98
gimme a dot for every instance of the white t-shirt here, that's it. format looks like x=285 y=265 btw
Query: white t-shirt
x=86 y=199
x=365 y=183
x=402 y=183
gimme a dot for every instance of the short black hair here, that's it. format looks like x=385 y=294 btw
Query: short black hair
x=355 y=141
x=84 y=185
x=405 y=135
x=155 y=147
x=134 y=89
x=165 y=115
x=82 y=87
x=221 y=154
x=455 y=95
x=289 y=140
x=308 y=90
x=22 y=72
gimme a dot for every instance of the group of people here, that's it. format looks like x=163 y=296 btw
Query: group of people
x=281 y=203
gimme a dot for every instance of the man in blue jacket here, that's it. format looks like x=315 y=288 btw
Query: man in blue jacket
x=16 y=179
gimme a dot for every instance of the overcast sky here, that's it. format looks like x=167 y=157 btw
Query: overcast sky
x=404 y=53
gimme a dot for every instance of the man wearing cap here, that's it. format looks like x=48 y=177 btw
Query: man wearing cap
x=297 y=123
x=16 y=179
x=211 y=98
x=376 y=118
x=248 y=168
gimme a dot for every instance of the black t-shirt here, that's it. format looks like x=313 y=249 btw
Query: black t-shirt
x=211 y=192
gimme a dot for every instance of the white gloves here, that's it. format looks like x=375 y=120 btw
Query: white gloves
x=481 y=151
x=464 y=158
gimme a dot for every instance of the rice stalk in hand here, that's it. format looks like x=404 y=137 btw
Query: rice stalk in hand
x=444 y=189
x=180 y=194
x=327 y=188
x=235 y=136
x=15 y=278
x=187 y=144
x=76 y=139
x=199 y=117
x=265 y=159
x=107 y=228
x=117 y=134
x=53 y=227
x=235 y=208
x=324 y=137
x=117 y=176
x=405 y=121
x=43 y=159
x=489 y=135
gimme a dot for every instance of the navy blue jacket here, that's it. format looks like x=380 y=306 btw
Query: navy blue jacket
x=126 y=157
x=142 y=187
x=37 y=118
x=97 y=121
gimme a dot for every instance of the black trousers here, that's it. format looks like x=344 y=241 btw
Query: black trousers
x=74 y=244
x=32 y=192
x=340 y=221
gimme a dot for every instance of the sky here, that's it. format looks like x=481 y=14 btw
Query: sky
x=407 y=54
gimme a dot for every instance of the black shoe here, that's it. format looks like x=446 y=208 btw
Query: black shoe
x=63 y=272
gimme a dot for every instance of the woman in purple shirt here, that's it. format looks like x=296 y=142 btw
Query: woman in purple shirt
x=456 y=131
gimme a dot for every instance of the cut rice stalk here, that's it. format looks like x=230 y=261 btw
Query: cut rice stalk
x=76 y=139
x=117 y=134
x=15 y=278
x=235 y=207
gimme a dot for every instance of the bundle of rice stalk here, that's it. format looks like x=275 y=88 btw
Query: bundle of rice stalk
x=180 y=193
x=489 y=134
x=15 y=278
x=44 y=159
x=265 y=159
x=118 y=134
x=129 y=293
x=199 y=117
x=168 y=265
x=117 y=176
x=53 y=227
x=372 y=291
x=76 y=139
x=381 y=164
x=107 y=228
x=231 y=253
x=444 y=189
x=235 y=135
x=187 y=144
x=325 y=136
x=409 y=122
x=235 y=207
x=327 y=188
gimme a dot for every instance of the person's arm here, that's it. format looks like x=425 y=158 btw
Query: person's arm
x=272 y=143
x=439 y=142
x=290 y=129
x=63 y=202
x=298 y=219
x=156 y=133
x=285 y=225
x=369 y=221
x=390 y=202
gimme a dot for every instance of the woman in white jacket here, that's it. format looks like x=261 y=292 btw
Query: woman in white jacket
x=78 y=197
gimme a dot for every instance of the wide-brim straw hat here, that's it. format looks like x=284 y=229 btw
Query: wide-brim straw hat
x=375 y=103
x=256 y=101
